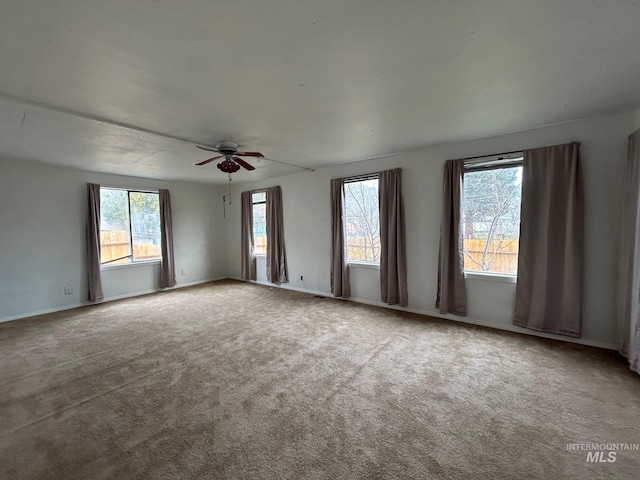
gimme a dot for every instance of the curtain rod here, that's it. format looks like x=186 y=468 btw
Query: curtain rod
x=363 y=176
x=357 y=178
x=515 y=151
x=133 y=189
x=493 y=155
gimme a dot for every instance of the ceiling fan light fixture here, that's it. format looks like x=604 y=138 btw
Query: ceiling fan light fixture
x=227 y=166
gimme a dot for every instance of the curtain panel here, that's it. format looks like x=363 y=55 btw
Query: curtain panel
x=167 y=267
x=629 y=269
x=339 y=267
x=93 y=243
x=393 y=256
x=550 y=258
x=451 y=296
x=276 y=252
x=247 y=248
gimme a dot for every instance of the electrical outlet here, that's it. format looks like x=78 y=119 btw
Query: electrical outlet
x=68 y=290
x=184 y=271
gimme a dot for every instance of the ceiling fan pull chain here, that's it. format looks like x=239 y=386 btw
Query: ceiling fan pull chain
x=229 y=189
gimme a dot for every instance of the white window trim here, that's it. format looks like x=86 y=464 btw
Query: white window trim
x=357 y=264
x=132 y=263
x=139 y=263
x=253 y=204
x=495 y=277
x=353 y=179
x=494 y=161
x=500 y=161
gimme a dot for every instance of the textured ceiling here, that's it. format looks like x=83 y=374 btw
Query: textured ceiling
x=86 y=84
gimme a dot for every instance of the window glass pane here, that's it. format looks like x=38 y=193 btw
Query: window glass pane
x=260 y=228
x=362 y=221
x=259 y=197
x=491 y=220
x=145 y=226
x=115 y=238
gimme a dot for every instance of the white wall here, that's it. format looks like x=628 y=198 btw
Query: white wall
x=307 y=222
x=43 y=216
x=42 y=237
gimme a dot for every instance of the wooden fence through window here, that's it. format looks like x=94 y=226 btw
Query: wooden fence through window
x=115 y=244
x=505 y=260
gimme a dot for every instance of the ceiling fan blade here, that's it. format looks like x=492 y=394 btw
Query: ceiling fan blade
x=207 y=149
x=204 y=162
x=244 y=164
x=250 y=154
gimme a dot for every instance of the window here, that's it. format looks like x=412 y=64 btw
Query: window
x=362 y=220
x=491 y=215
x=259 y=200
x=129 y=226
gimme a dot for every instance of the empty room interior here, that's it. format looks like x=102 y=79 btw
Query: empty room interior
x=319 y=240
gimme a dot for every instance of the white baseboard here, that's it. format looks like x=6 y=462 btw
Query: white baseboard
x=197 y=282
x=496 y=325
x=419 y=311
x=284 y=286
x=105 y=300
x=455 y=318
x=20 y=316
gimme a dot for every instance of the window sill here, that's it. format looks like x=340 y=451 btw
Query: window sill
x=375 y=266
x=117 y=266
x=495 y=277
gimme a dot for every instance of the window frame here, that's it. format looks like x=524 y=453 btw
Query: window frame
x=486 y=163
x=253 y=204
x=132 y=263
x=355 y=179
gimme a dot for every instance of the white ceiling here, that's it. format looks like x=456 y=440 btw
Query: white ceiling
x=85 y=84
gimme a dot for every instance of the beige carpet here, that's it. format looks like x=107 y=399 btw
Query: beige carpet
x=233 y=380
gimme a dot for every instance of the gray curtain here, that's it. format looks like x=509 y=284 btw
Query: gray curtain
x=93 y=243
x=549 y=285
x=393 y=255
x=247 y=253
x=339 y=267
x=451 y=295
x=168 y=267
x=629 y=272
x=276 y=254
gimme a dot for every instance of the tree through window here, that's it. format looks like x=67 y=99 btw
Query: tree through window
x=362 y=220
x=491 y=216
x=259 y=200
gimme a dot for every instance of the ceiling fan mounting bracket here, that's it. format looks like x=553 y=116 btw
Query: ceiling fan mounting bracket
x=227 y=148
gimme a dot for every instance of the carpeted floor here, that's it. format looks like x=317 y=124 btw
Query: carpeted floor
x=240 y=381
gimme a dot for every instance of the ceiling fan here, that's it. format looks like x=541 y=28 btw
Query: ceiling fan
x=232 y=161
